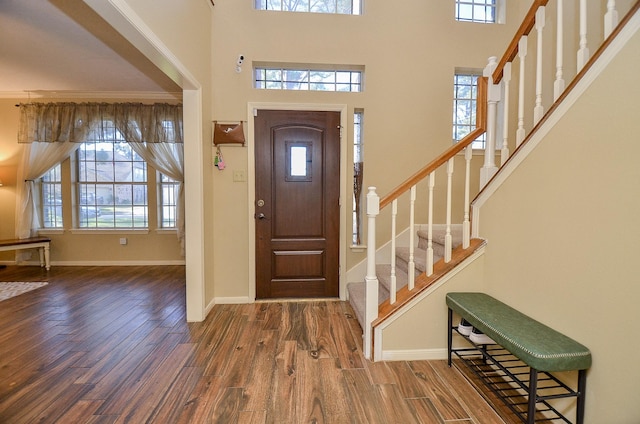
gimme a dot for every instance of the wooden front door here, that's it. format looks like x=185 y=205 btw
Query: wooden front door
x=297 y=203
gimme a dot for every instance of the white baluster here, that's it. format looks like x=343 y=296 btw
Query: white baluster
x=538 y=110
x=392 y=283
x=522 y=54
x=371 y=279
x=447 y=237
x=412 y=265
x=583 y=51
x=610 y=18
x=466 y=224
x=558 y=84
x=489 y=168
x=432 y=183
x=506 y=78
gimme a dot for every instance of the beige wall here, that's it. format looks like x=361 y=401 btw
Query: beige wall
x=409 y=54
x=562 y=233
x=10 y=155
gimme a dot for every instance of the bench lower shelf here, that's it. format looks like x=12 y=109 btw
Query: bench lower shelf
x=514 y=382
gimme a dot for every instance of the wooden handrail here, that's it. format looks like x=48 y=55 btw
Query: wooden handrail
x=525 y=28
x=481 y=126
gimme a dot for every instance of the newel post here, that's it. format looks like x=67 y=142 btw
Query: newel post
x=489 y=168
x=371 y=279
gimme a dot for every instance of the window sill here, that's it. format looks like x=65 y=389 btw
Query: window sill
x=94 y=231
x=358 y=248
x=50 y=231
x=166 y=231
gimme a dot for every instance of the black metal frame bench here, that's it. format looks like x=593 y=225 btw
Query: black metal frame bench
x=40 y=243
x=523 y=359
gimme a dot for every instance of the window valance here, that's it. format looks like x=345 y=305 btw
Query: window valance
x=71 y=122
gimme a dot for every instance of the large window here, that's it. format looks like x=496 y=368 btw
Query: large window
x=485 y=11
x=345 y=7
x=465 y=93
x=111 y=187
x=111 y=183
x=280 y=78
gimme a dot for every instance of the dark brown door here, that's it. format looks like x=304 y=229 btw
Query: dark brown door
x=297 y=203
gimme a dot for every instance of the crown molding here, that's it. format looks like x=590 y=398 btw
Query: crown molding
x=93 y=95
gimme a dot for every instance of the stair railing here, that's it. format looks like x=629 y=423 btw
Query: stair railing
x=494 y=96
x=375 y=204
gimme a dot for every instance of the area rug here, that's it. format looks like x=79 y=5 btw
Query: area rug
x=12 y=289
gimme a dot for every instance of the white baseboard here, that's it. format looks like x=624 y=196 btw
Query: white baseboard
x=414 y=355
x=240 y=300
x=108 y=263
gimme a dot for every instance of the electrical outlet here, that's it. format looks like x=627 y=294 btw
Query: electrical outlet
x=123 y=241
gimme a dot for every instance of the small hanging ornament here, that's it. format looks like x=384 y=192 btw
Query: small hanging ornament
x=219 y=160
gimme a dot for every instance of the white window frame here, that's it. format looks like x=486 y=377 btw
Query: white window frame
x=167 y=201
x=473 y=6
x=51 y=199
x=311 y=6
x=348 y=79
x=358 y=156
x=467 y=101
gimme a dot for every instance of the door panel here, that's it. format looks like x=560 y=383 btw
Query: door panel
x=297 y=203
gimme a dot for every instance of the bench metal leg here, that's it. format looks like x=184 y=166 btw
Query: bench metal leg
x=582 y=393
x=449 y=336
x=533 y=389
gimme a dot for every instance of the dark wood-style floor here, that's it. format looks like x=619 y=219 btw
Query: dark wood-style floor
x=111 y=345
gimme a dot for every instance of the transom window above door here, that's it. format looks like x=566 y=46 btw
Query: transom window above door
x=342 y=7
x=296 y=78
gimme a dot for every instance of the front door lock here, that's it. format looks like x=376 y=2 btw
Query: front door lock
x=260 y=203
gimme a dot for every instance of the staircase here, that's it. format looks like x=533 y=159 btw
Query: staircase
x=356 y=290
x=388 y=287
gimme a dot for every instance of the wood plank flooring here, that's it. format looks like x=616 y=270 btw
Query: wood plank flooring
x=111 y=345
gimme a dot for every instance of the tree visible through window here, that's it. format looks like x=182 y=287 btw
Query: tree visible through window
x=465 y=92
x=168 y=201
x=477 y=11
x=307 y=79
x=112 y=182
x=358 y=169
x=52 y=198
x=345 y=7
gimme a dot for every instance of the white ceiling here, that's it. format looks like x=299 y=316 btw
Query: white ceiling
x=59 y=46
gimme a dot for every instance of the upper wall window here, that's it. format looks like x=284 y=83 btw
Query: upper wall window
x=343 y=7
x=485 y=11
x=465 y=93
x=273 y=78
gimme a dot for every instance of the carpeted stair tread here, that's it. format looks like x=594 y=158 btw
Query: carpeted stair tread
x=384 y=278
x=439 y=236
x=356 y=290
x=419 y=258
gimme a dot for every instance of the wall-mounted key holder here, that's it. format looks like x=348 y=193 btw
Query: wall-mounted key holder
x=228 y=134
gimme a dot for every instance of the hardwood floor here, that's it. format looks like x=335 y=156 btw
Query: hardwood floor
x=111 y=345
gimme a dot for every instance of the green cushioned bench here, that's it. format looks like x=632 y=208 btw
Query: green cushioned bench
x=540 y=347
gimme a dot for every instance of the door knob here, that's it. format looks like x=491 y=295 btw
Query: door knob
x=261 y=216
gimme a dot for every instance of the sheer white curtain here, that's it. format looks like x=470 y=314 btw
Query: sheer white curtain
x=53 y=131
x=37 y=160
x=167 y=158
